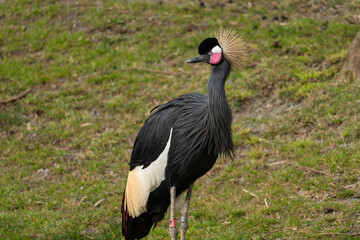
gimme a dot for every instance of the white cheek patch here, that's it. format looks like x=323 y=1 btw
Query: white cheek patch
x=215 y=57
x=216 y=49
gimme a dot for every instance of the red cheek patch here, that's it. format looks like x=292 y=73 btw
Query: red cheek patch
x=215 y=58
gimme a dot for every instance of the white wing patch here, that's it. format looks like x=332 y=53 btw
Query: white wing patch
x=143 y=181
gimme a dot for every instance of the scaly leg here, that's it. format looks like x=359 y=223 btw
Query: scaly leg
x=185 y=211
x=172 y=221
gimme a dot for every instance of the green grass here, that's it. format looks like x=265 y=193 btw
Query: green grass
x=66 y=145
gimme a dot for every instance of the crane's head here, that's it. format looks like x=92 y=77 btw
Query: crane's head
x=226 y=44
x=210 y=52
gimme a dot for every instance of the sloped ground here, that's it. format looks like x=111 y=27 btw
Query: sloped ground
x=64 y=147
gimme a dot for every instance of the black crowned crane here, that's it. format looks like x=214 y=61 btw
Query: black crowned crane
x=180 y=142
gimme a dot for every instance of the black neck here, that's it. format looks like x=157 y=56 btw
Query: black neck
x=219 y=114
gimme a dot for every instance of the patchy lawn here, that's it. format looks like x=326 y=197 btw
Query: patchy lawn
x=65 y=145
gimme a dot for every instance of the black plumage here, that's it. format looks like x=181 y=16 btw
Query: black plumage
x=201 y=131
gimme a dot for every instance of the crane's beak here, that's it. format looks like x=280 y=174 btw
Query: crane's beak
x=200 y=58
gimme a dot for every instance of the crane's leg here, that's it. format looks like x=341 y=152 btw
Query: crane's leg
x=172 y=221
x=185 y=211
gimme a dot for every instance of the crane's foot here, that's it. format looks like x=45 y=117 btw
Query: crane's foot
x=172 y=229
x=172 y=221
x=184 y=227
x=185 y=211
